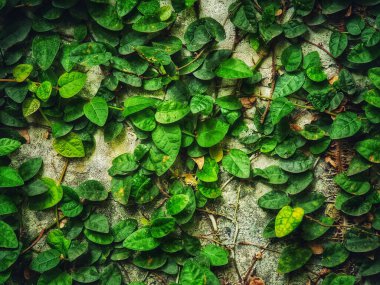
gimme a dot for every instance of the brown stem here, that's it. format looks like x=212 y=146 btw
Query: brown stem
x=63 y=173
x=321 y=47
x=7 y=80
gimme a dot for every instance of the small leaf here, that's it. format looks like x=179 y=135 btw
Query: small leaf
x=44 y=90
x=22 y=72
x=8 y=238
x=369 y=149
x=374 y=76
x=141 y=240
x=71 y=83
x=287 y=220
x=97 y=223
x=217 y=255
x=8 y=146
x=46 y=260
x=44 y=50
x=338 y=43
x=69 y=146
x=280 y=108
x=9 y=177
x=237 y=163
x=92 y=190
x=177 y=203
x=171 y=111
x=291 y=58
x=211 y=132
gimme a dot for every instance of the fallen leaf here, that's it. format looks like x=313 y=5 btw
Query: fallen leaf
x=190 y=179
x=316 y=248
x=248 y=102
x=25 y=134
x=333 y=79
x=256 y=281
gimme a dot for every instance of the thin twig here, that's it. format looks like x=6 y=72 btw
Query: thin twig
x=63 y=173
x=214 y=213
x=193 y=60
x=321 y=47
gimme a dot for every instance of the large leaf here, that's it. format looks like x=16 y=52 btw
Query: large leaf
x=71 y=83
x=288 y=84
x=69 y=146
x=46 y=260
x=9 y=177
x=374 y=76
x=338 y=43
x=280 y=108
x=171 y=111
x=44 y=49
x=291 y=58
x=141 y=240
x=237 y=163
x=292 y=258
x=369 y=149
x=211 y=132
x=233 y=68
x=92 y=190
x=287 y=220
x=8 y=146
x=345 y=125
x=217 y=255
x=96 y=111
x=49 y=198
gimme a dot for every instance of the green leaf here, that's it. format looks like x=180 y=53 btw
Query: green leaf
x=273 y=200
x=98 y=238
x=297 y=164
x=120 y=189
x=309 y=201
x=69 y=146
x=345 y=125
x=8 y=238
x=138 y=103
x=312 y=132
x=316 y=73
x=211 y=132
x=56 y=239
x=243 y=15
x=369 y=149
x=203 y=31
x=209 y=171
x=124 y=7
x=361 y=242
x=217 y=255
x=49 y=198
x=237 y=163
x=123 y=164
x=229 y=102
x=294 y=28
x=372 y=97
x=106 y=16
x=96 y=111
x=352 y=185
x=287 y=220
x=312 y=230
x=357 y=165
x=46 y=260
x=97 y=223
x=292 y=258
x=44 y=90
x=171 y=111
x=7 y=206
x=30 y=106
x=122 y=229
x=291 y=58
x=273 y=173
x=44 y=50
x=201 y=104
x=144 y=120
x=233 y=68
x=355 y=25
x=177 y=203
x=86 y=274
x=141 y=240
x=288 y=84
x=370 y=37
x=370 y=267
x=374 y=76
x=361 y=54
x=71 y=83
x=299 y=182
x=334 y=254
x=9 y=177
x=92 y=190
x=8 y=146
x=209 y=190
x=280 y=108
x=55 y=277
x=90 y=54
x=338 y=43
x=162 y=226
x=22 y=72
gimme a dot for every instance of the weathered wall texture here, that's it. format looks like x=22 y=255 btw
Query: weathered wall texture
x=250 y=218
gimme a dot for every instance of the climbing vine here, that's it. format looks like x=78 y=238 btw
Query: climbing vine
x=50 y=53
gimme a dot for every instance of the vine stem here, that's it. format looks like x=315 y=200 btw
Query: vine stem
x=340 y=226
x=8 y=80
x=193 y=60
x=273 y=84
x=321 y=47
x=116 y=108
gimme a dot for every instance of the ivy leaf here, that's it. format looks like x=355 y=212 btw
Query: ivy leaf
x=106 y=16
x=338 y=43
x=233 y=68
x=97 y=223
x=92 y=190
x=201 y=104
x=9 y=177
x=86 y=274
x=217 y=255
x=58 y=241
x=280 y=108
x=46 y=260
x=71 y=83
x=150 y=24
x=8 y=146
x=8 y=238
x=123 y=164
x=98 y=238
x=141 y=240
x=30 y=106
x=292 y=258
x=55 y=277
x=294 y=28
x=291 y=58
x=161 y=227
x=49 y=198
x=7 y=206
x=287 y=220
x=96 y=111
x=69 y=146
x=274 y=200
x=44 y=90
x=353 y=185
x=211 y=132
x=362 y=54
x=334 y=254
x=297 y=164
x=150 y=260
x=177 y=203
x=273 y=173
x=237 y=163
x=22 y=72
x=345 y=125
x=369 y=149
x=171 y=111
x=312 y=230
x=309 y=201
x=90 y=54
x=209 y=171
x=361 y=242
x=124 y=7
x=374 y=76
x=44 y=50
x=372 y=97
x=122 y=229
x=138 y=103
x=203 y=31
x=288 y=84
